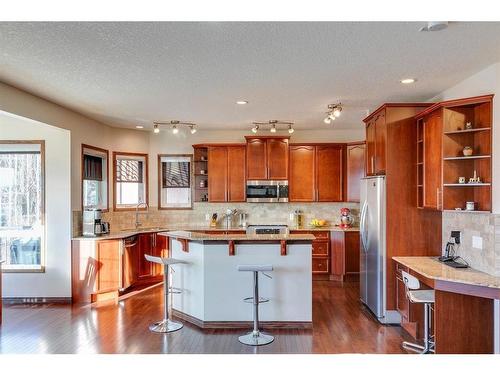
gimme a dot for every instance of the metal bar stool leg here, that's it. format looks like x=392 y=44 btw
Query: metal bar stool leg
x=166 y=325
x=256 y=338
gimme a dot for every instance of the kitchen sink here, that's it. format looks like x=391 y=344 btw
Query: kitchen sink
x=143 y=229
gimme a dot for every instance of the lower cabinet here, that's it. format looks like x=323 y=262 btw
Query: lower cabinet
x=103 y=269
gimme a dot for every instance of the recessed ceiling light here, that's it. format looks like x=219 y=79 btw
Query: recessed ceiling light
x=139 y=127
x=242 y=102
x=407 y=81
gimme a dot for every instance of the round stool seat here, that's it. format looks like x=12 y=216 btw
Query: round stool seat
x=164 y=261
x=255 y=267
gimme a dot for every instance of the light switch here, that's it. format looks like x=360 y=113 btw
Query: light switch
x=477 y=242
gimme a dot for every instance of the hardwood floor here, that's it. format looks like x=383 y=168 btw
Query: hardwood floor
x=341 y=325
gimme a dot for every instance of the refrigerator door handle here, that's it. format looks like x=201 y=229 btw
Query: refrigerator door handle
x=362 y=226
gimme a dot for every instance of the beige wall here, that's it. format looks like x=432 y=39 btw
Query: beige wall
x=83 y=130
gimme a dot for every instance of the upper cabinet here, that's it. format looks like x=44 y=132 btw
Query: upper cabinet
x=226 y=177
x=388 y=117
x=316 y=173
x=267 y=158
x=454 y=155
x=355 y=169
x=329 y=173
x=302 y=183
x=376 y=135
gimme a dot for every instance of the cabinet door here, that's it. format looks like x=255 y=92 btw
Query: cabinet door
x=380 y=143
x=355 y=170
x=256 y=159
x=432 y=161
x=236 y=162
x=217 y=174
x=108 y=257
x=277 y=159
x=329 y=178
x=370 y=148
x=145 y=246
x=302 y=182
x=402 y=300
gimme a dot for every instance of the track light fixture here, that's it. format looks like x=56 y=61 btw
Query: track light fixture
x=334 y=111
x=273 y=126
x=175 y=126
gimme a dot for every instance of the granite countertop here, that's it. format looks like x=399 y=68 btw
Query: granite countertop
x=132 y=232
x=198 y=236
x=431 y=268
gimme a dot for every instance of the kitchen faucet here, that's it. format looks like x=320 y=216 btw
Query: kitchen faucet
x=137 y=222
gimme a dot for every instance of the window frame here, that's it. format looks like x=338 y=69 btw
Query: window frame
x=104 y=151
x=146 y=179
x=160 y=177
x=43 y=213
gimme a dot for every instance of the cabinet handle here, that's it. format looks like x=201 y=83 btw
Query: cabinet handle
x=437 y=199
x=373 y=165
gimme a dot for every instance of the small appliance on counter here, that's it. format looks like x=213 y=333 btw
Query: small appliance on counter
x=242 y=218
x=93 y=225
x=346 y=219
x=267 y=229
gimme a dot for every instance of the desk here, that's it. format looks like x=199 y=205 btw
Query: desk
x=467 y=307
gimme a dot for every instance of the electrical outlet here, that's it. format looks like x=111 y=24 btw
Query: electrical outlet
x=477 y=242
x=456 y=234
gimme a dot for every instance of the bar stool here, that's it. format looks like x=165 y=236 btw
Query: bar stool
x=166 y=325
x=256 y=338
x=426 y=297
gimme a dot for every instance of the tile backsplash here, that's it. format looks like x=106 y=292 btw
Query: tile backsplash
x=483 y=225
x=258 y=213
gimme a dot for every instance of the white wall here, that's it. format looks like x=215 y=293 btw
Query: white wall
x=487 y=81
x=56 y=280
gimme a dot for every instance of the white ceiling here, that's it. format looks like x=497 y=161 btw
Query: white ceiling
x=125 y=74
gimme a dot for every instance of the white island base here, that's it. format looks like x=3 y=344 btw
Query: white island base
x=213 y=289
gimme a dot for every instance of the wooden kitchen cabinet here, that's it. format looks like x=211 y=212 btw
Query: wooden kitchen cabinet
x=355 y=171
x=217 y=174
x=226 y=178
x=277 y=158
x=432 y=160
x=329 y=173
x=267 y=158
x=236 y=166
x=370 y=147
x=302 y=182
x=316 y=172
x=345 y=247
x=442 y=135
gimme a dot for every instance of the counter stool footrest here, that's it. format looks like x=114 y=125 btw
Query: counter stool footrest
x=251 y=300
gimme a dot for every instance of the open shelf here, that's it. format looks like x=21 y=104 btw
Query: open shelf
x=200 y=164
x=467 y=131
x=467 y=184
x=467 y=157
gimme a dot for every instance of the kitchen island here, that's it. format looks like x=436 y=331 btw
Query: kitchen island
x=213 y=290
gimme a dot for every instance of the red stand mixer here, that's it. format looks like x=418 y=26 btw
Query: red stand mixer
x=346 y=219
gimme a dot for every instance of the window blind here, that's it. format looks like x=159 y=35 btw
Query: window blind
x=128 y=170
x=176 y=174
x=92 y=168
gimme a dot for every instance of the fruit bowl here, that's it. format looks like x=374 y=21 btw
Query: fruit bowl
x=317 y=223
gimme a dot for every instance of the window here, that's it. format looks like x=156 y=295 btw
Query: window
x=131 y=180
x=94 y=177
x=22 y=205
x=174 y=181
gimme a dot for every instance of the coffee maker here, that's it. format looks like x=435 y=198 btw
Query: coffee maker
x=93 y=225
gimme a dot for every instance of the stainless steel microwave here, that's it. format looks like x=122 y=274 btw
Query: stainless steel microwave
x=267 y=191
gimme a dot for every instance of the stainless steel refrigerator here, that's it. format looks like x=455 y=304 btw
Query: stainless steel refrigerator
x=373 y=249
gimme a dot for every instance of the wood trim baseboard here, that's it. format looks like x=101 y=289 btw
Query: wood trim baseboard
x=240 y=324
